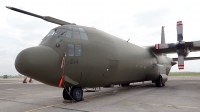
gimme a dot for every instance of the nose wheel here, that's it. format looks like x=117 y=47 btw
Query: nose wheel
x=159 y=82
x=76 y=93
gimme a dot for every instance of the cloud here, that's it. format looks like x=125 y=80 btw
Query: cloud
x=140 y=21
x=151 y=18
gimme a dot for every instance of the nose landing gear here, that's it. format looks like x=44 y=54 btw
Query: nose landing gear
x=75 y=93
x=159 y=82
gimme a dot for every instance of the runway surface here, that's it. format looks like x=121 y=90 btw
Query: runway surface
x=181 y=94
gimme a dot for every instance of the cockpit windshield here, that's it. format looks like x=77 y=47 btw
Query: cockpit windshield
x=58 y=32
x=70 y=32
x=51 y=32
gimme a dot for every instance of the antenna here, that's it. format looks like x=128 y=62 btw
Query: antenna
x=46 y=18
x=128 y=40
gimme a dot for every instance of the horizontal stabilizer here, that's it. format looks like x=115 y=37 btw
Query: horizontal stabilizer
x=46 y=18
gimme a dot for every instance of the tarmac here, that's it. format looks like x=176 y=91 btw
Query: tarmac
x=181 y=94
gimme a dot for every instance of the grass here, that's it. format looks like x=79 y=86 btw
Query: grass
x=184 y=74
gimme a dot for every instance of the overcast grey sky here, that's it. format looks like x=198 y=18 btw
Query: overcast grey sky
x=139 y=20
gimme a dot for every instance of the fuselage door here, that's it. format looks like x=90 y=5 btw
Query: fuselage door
x=111 y=71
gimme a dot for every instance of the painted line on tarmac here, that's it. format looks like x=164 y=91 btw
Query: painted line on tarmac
x=57 y=96
x=37 y=94
x=44 y=107
x=154 y=104
x=54 y=105
x=187 y=107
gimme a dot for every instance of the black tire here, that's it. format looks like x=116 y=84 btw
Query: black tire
x=159 y=82
x=124 y=85
x=66 y=95
x=77 y=93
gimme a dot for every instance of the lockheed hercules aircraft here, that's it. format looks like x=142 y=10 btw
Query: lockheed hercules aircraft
x=75 y=57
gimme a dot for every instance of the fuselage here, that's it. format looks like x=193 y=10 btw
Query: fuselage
x=93 y=59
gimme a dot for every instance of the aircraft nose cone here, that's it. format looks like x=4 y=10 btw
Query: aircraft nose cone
x=41 y=63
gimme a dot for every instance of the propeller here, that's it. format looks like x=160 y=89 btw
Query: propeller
x=183 y=48
x=180 y=45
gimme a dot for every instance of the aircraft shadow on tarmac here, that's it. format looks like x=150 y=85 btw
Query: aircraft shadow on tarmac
x=117 y=90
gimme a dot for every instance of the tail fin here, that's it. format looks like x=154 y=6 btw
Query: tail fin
x=163 y=37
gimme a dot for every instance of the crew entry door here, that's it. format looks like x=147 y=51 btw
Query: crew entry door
x=111 y=71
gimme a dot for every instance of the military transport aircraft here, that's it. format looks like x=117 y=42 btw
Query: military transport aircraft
x=74 y=57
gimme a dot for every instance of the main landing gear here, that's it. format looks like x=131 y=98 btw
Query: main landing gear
x=75 y=93
x=125 y=85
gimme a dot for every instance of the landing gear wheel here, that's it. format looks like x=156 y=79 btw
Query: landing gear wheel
x=159 y=82
x=124 y=85
x=66 y=96
x=76 y=93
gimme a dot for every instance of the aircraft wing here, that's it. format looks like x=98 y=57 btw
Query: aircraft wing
x=193 y=46
x=168 y=50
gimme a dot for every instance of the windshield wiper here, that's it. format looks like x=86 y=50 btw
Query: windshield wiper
x=61 y=33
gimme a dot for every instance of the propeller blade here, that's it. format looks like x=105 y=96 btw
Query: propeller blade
x=179 y=31
x=180 y=62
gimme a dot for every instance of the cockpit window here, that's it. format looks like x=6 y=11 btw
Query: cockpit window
x=69 y=34
x=60 y=32
x=76 y=34
x=84 y=36
x=70 y=28
x=75 y=28
x=51 y=32
x=77 y=50
x=70 y=50
x=81 y=30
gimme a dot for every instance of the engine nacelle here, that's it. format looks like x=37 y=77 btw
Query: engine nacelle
x=155 y=71
x=182 y=48
x=184 y=51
